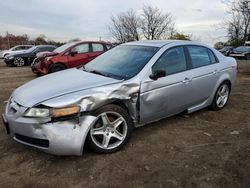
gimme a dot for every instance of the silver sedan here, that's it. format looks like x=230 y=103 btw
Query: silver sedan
x=126 y=87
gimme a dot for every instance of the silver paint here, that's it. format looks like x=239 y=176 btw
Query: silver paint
x=146 y=100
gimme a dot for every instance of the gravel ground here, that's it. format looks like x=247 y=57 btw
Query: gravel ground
x=204 y=149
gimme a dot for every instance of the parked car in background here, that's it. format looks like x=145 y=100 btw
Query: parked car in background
x=241 y=52
x=69 y=55
x=14 y=49
x=26 y=57
x=226 y=50
x=126 y=87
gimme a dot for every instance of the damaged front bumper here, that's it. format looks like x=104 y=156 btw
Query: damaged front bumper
x=38 y=69
x=59 y=138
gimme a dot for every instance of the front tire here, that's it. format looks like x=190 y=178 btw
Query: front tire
x=111 y=130
x=56 y=68
x=221 y=96
x=247 y=56
x=19 y=62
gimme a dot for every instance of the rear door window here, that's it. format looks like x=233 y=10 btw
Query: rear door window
x=213 y=59
x=97 y=47
x=199 y=56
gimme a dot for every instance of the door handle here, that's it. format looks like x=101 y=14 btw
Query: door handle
x=215 y=72
x=148 y=81
x=186 y=80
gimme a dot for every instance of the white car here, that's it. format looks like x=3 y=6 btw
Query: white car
x=14 y=49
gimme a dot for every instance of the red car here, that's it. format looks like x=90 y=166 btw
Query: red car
x=67 y=56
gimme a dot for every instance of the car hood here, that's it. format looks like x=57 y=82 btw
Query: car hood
x=46 y=54
x=58 y=84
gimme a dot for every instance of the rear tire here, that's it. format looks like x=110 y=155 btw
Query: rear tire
x=111 y=130
x=57 y=67
x=221 y=96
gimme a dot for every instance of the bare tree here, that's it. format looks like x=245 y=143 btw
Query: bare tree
x=125 y=26
x=238 y=24
x=155 y=24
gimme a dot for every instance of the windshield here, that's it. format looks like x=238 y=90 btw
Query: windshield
x=31 y=49
x=242 y=48
x=63 y=47
x=122 y=61
x=226 y=48
x=13 y=48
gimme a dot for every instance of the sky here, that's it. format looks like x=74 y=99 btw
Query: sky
x=68 y=19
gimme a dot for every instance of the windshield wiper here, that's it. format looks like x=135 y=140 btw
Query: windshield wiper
x=104 y=74
x=98 y=72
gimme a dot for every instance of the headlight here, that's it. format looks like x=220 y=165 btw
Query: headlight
x=52 y=112
x=11 y=57
x=37 y=112
x=47 y=58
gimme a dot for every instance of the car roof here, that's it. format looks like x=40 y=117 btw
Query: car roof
x=153 y=43
x=23 y=45
x=41 y=46
x=161 y=43
x=89 y=41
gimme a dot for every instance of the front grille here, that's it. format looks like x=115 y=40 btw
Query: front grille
x=34 y=141
x=13 y=107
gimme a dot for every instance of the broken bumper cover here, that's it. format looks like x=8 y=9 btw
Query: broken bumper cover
x=58 y=138
x=37 y=69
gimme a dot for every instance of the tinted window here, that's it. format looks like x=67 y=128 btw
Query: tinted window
x=82 y=48
x=108 y=46
x=97 y=47
x=17 y=48
x=212 y=57
x=26 y=47
x=41 y=50
x=50 y=49
x=199 y=56
x=172 y=61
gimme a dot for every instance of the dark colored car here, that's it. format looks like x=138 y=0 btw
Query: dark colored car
x=20 y=59
x=226 y=50
x=69 y=55
x=241 y=52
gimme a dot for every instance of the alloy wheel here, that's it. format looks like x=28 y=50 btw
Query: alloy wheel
x=19 y=62
x=109 y=130
x=222 y=95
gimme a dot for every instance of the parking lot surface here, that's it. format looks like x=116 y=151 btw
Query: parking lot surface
x=204 y=149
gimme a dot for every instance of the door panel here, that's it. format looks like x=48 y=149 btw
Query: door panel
x=170 y=94
x=97 y=49
x=203 y=82
x=165 y=96
x=204 y=75
x=82 y=56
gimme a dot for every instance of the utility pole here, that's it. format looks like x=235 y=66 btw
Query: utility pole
x=8 y=40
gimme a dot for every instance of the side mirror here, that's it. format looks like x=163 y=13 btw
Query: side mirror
x=157 y=74
x=72 y=53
